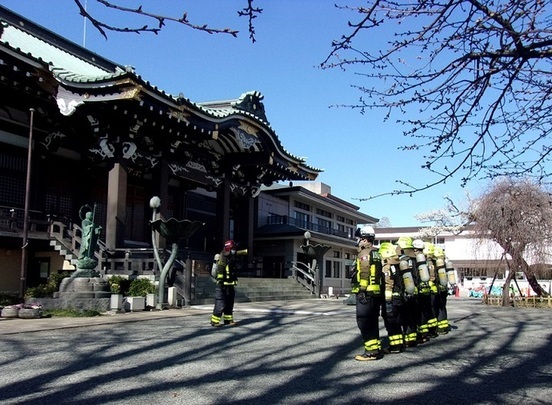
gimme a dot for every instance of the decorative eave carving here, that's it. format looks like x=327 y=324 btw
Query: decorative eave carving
x=68 y=101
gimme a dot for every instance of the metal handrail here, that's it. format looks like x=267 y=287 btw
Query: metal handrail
x=305 y=277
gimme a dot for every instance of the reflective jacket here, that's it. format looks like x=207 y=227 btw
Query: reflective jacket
x=369 y=276
x=226 y=270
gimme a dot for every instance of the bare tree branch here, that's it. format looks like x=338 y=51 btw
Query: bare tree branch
x=251 y=13
x=161 y=20
x=468 y=79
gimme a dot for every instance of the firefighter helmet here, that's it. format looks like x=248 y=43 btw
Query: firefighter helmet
x=229 y=245
x=418 y=244
x=366 y=232
x=439 y=252
x=405 y=242
x=429 y=249
x=387 y=250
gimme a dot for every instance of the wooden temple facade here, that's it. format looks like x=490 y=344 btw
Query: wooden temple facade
x=102 y=135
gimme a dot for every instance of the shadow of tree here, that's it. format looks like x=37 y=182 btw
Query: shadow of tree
x=493 y=355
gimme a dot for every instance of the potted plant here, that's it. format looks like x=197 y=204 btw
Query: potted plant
x=116 y=303
x=137 y=292
x=10 y=311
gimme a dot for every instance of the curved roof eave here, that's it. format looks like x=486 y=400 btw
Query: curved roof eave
x=77 y=67
x=217 y=114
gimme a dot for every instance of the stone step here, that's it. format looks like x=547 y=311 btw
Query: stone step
x=253 y=289
x=211 y=301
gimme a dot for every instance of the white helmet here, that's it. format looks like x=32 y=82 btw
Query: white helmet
x=418 y=244
x=366 y=232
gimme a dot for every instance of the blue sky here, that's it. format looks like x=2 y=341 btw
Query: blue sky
x=358 y=153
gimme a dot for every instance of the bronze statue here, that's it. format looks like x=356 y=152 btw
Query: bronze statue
x=90 y=233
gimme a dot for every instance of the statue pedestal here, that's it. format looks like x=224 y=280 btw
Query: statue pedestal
x=84 y=287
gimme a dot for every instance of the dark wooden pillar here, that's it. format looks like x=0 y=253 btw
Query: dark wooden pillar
x=223 y=214
x=250 y=226
x=116 y=207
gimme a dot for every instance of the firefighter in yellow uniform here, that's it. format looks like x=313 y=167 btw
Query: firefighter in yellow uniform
x=428 y=320
x=429 y=252
x=411 y=317
x=226 y=278
x=369 y=294
x=444 y=269
x=393 y=308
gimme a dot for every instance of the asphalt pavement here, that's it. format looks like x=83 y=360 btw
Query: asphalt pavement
x=281 y=352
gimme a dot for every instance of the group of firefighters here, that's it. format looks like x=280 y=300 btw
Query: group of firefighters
x=407 y=283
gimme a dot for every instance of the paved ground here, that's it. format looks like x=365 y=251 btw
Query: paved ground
x=297 y=352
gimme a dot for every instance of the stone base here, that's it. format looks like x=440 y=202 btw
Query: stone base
x=10 y=312
x=83 y=288
x=30 y=313
x=84 y=304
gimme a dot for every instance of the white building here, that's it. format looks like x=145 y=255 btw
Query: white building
x=286 y=212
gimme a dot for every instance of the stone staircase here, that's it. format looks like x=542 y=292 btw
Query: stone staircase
x=64 y=250
x=253 y=290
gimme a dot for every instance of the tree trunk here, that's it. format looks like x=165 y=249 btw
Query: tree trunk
x=506 y=289
x=531 y=278
x=534 y=283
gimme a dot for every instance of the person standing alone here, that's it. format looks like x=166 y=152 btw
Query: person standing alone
x=226 y=278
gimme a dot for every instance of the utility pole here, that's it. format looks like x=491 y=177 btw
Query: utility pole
x=24 y=254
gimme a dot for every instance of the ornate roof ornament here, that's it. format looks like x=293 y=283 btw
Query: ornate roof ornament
x=251 y=102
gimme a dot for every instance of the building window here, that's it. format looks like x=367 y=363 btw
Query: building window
x=349 y=221
x=302 y=206
x=348 y=270
x=324 y=213
x=337 y=269
x=337 y=254
x=302 y=219
x=328 y=269
x=439 y=241
x=340 y=218
x=323 y=225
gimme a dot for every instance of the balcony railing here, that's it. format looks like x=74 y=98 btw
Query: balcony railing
x=306 y=225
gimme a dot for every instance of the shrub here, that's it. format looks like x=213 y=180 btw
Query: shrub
x=141 y=287
x=72 y=313
x=48 y=289
x=118 y=285
x=7 y=299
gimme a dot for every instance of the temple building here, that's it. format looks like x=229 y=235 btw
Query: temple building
x=79 y=130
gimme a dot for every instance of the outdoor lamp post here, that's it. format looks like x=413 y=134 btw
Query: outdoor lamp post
x=155 y=203
x=174 y=231
x=316 y=253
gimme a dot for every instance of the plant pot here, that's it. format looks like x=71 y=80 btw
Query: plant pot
x=10 y=312
x=136 y=304
x=151 y=300
x=30 y=313
x=116 y=303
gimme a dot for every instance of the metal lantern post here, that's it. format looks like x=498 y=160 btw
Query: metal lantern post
x=316 y=253
x=176 y=231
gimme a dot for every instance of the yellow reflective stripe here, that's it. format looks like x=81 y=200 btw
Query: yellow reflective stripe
x=373 y=274
x=396 y=340
x=373 y=344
